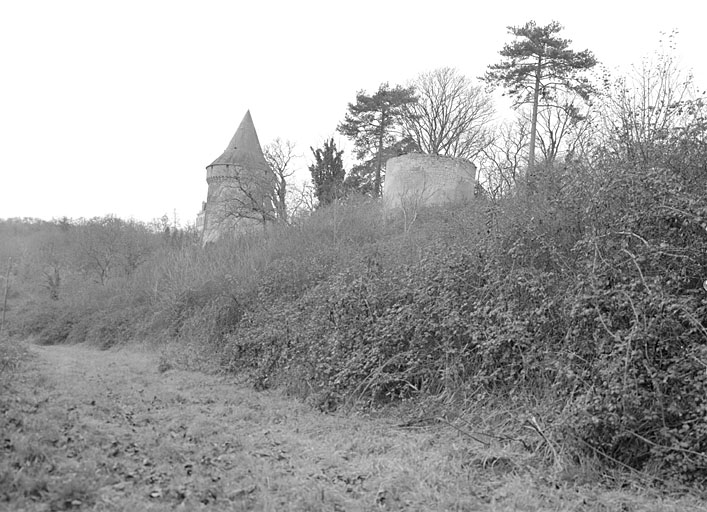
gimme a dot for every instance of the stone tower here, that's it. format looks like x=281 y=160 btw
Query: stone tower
x=428 y=180
x=240 y=187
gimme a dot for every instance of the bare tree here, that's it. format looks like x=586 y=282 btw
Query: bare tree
x=5 y=295
x=250 y=196
x=502 y=162
x=565 y=130
x=99 y=242
x=107 y=247
x=279 y=154
x=411 y=201
x=302 y=200
x=52 y=262
x=563 y=127
x=451 y=116
x=647 y=105
x=136 y=245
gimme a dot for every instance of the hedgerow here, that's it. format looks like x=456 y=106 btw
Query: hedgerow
x=587 y=293
x=602 y=303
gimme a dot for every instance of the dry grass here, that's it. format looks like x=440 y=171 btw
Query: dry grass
x=115 y=430
x=12 y=354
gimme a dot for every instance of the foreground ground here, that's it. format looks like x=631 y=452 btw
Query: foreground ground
x=82 y=429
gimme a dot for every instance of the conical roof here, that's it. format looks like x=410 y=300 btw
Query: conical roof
x=244 y=148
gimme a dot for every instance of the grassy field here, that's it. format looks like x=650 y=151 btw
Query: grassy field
x=84 y=429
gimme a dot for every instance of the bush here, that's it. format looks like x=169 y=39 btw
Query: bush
x=601 y=303
x=643 y=309
x=589 y=290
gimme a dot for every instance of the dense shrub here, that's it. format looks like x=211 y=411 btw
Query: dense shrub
x=589 y=290
x=643 y=308
x=600 y=302
x=58 y=328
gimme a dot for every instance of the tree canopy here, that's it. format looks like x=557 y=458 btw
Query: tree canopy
x=373 y=123
x=451 y=116
x=279 y=155
x=536 y=66
x=328 y=172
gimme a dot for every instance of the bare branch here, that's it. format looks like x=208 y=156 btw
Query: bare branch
x=279 y=154
x=451 y=116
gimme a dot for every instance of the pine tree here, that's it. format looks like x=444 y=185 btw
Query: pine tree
x=538 y=65
x=371 y=123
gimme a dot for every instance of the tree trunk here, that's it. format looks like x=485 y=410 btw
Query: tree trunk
x=379 y=166
x=7 y=287
x=533 y=127
x=282 y=200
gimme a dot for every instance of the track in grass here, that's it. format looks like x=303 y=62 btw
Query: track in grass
x=84 y=429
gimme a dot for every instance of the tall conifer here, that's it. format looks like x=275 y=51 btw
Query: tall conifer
x=536 y=66
x=328 y=172
x=371 y=123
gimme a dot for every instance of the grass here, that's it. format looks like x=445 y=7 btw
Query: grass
x=111 y=430
x=12 y=354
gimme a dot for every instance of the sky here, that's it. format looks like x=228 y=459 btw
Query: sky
x=116 y=107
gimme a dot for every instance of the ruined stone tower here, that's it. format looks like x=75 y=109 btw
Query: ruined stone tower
x=240 y=187
x=428 y=180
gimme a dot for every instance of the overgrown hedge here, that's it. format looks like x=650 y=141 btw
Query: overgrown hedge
x=590 y=289
x=599 y=299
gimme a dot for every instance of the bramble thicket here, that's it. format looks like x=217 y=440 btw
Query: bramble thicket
x=582 y=296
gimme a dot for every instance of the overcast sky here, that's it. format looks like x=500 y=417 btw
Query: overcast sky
x=118 y=106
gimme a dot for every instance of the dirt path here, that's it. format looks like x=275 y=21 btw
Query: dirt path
x=104 y=430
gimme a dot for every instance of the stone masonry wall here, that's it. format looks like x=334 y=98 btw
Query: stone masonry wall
x=224 y=200
x=428 y=180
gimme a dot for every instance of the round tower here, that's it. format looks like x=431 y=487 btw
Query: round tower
x=240 y=186
x=428 y=180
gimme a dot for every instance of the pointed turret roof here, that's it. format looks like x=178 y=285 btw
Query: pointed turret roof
x=244 y=148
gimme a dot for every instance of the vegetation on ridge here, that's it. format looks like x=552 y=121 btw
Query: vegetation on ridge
x=583 y=298
x=592 y=301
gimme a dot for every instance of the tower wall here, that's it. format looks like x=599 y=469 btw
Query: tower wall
x=237 y=200
x=428 y=180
